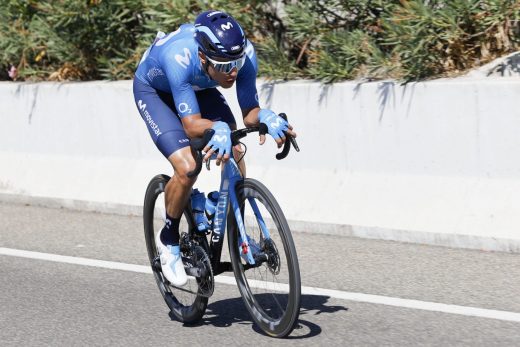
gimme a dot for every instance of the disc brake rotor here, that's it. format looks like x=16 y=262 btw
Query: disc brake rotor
x=273 y=257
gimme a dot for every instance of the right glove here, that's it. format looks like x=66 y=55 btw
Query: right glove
x=276 y=125
x=221 y=139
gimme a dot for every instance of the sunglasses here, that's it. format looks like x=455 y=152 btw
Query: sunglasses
x=227 y=66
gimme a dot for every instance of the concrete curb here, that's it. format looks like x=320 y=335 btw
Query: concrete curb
x=429 y=162
x=375 y=233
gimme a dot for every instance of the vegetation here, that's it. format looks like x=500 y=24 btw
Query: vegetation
x=328 y=40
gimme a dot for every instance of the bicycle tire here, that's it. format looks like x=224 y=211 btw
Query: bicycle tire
x=186 y=313
x=258 y=305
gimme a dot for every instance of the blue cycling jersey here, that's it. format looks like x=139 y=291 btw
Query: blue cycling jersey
x=171 y=64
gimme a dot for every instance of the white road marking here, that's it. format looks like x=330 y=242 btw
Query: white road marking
x=338 y=294
x=75 y=260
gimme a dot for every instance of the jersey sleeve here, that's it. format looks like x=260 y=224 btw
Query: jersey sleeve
x=247 y=94
x=178 y=66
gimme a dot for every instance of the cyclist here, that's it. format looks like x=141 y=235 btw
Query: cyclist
x=175 y=92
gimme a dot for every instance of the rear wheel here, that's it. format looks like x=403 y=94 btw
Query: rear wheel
x=271 y=289
x=185 y=304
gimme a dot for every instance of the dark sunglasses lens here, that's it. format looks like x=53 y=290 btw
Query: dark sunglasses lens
x=222 y=67
x=226 y=67
x=240 y=63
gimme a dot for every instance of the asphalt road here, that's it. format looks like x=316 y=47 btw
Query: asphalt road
x=50 y=303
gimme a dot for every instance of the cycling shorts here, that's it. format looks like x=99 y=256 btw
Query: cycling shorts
x=164 y=125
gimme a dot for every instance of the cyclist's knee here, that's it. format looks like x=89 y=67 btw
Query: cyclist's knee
x=182 y=175
x=183 y=162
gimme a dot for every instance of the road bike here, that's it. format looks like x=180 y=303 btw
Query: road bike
x=261 y=249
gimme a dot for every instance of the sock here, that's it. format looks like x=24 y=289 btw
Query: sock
x=171 y=235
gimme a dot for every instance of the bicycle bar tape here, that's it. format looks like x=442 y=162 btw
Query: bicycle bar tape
x=287 y=145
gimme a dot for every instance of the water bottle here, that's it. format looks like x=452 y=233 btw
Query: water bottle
x=198 y=202
x=211 y=205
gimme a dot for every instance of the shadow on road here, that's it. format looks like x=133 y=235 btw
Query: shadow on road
x=227 y=312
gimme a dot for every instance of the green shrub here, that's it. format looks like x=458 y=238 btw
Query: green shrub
x=70 y=39
x=438 y=37
x=328 y=40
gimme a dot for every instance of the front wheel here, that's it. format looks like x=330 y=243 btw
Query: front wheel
x=271 y=288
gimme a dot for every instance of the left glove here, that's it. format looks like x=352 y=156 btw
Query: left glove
x=276 y=125
x=221 y=140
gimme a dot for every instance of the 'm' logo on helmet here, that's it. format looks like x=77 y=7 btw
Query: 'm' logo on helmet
x=226 y=26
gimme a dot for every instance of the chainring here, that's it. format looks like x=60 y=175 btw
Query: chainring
x=199 y=258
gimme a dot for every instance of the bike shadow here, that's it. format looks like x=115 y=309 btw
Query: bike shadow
x=224 y=313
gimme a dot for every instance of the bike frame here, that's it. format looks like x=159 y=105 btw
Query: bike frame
x=230 y=177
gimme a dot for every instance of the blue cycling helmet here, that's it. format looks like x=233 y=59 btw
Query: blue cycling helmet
x=219 y=35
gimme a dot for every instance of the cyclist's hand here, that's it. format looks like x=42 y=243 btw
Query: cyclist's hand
x=220 y=143
x=276 y=126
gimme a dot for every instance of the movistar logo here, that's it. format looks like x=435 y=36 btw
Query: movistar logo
x=226 y=26
x=184 y=61
x=148 y=118
x=277 y=121
x=220 y=138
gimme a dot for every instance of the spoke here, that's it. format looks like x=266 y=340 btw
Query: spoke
x=266 y=281
x=278 y=303
x=261 y=276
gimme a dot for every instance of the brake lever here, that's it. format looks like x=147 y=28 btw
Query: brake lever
x=288 y=141
x=294 y=143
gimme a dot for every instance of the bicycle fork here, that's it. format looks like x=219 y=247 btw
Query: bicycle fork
x=244 y=246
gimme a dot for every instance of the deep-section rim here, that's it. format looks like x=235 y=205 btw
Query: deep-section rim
x=286 y=324
x=185 y=314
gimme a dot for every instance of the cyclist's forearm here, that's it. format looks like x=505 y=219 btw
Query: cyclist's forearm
x=251 y=117
x=196 y=125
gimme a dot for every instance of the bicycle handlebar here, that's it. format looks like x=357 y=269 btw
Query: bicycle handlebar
x=199 y=143
x=288 y=141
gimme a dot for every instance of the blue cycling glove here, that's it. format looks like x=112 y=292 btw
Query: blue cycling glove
x=276 y=125
x=221 y=140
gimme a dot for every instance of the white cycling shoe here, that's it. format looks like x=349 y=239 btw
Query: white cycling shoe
x=171 y=262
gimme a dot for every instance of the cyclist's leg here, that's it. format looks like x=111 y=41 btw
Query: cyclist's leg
x=157 y=110
x=178 y=189
x=213 y=106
